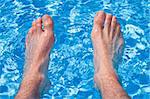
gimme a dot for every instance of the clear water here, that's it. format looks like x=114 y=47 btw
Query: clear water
x=71 y=67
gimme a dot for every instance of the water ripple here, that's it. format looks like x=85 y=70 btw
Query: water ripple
x=71 y=66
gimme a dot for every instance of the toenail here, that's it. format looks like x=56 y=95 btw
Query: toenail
x=33 y=23
x=99 y=13
x=114 y=18
x=31 y=30
x=109 y=15
x=38 y=24
x=48 y=23
x=38 y=20
x=45 y=17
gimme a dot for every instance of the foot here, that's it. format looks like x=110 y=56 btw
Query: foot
x=107 y=43
x=38 y=45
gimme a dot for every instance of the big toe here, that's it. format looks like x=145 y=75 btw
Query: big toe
x=98 y=25
x=99 y=19
x=48 y=23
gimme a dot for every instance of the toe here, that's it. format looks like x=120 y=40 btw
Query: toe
x=120 y=45
x=113 y=27
x=121 y=41
x=108 y=21
x=99 y=19
x=34 y=23
x=28 y=38
x=39 y=25
x=117 y=32
x=98 y=25
x=48 y=23
x=33 y=28
x=107 y=25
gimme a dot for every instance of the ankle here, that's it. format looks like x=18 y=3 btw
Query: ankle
x=34 y=75
x=103 y=75
x=32 y=83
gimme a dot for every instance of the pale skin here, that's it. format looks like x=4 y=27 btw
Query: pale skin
x=106 y=39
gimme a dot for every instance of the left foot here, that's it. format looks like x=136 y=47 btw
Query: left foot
x=107 y=41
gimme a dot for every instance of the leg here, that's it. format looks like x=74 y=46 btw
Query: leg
x=38 y=44
x=107 y=41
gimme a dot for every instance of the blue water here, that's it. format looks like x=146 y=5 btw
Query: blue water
x=71 y=66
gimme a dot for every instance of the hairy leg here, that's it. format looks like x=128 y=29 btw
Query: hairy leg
x=107 y=42
x=38 y=45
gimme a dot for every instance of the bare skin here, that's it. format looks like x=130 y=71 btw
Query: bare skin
x=38 y=45
x=107 y=42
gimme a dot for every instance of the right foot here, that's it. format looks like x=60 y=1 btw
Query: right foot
x=107 y=41
x=38 y=45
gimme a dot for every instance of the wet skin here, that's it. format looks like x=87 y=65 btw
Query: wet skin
x=107 y=43
x=106 y=39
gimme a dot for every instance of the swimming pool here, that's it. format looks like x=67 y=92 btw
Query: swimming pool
x=71 y=67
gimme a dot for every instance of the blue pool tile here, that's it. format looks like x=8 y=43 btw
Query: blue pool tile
x=143 y=78
x=142 y=96
x=132 y=88
x=4 y=97
x=3 y=89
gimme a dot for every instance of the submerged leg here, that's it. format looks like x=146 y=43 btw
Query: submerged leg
x=38 y=45
x=107 y=41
